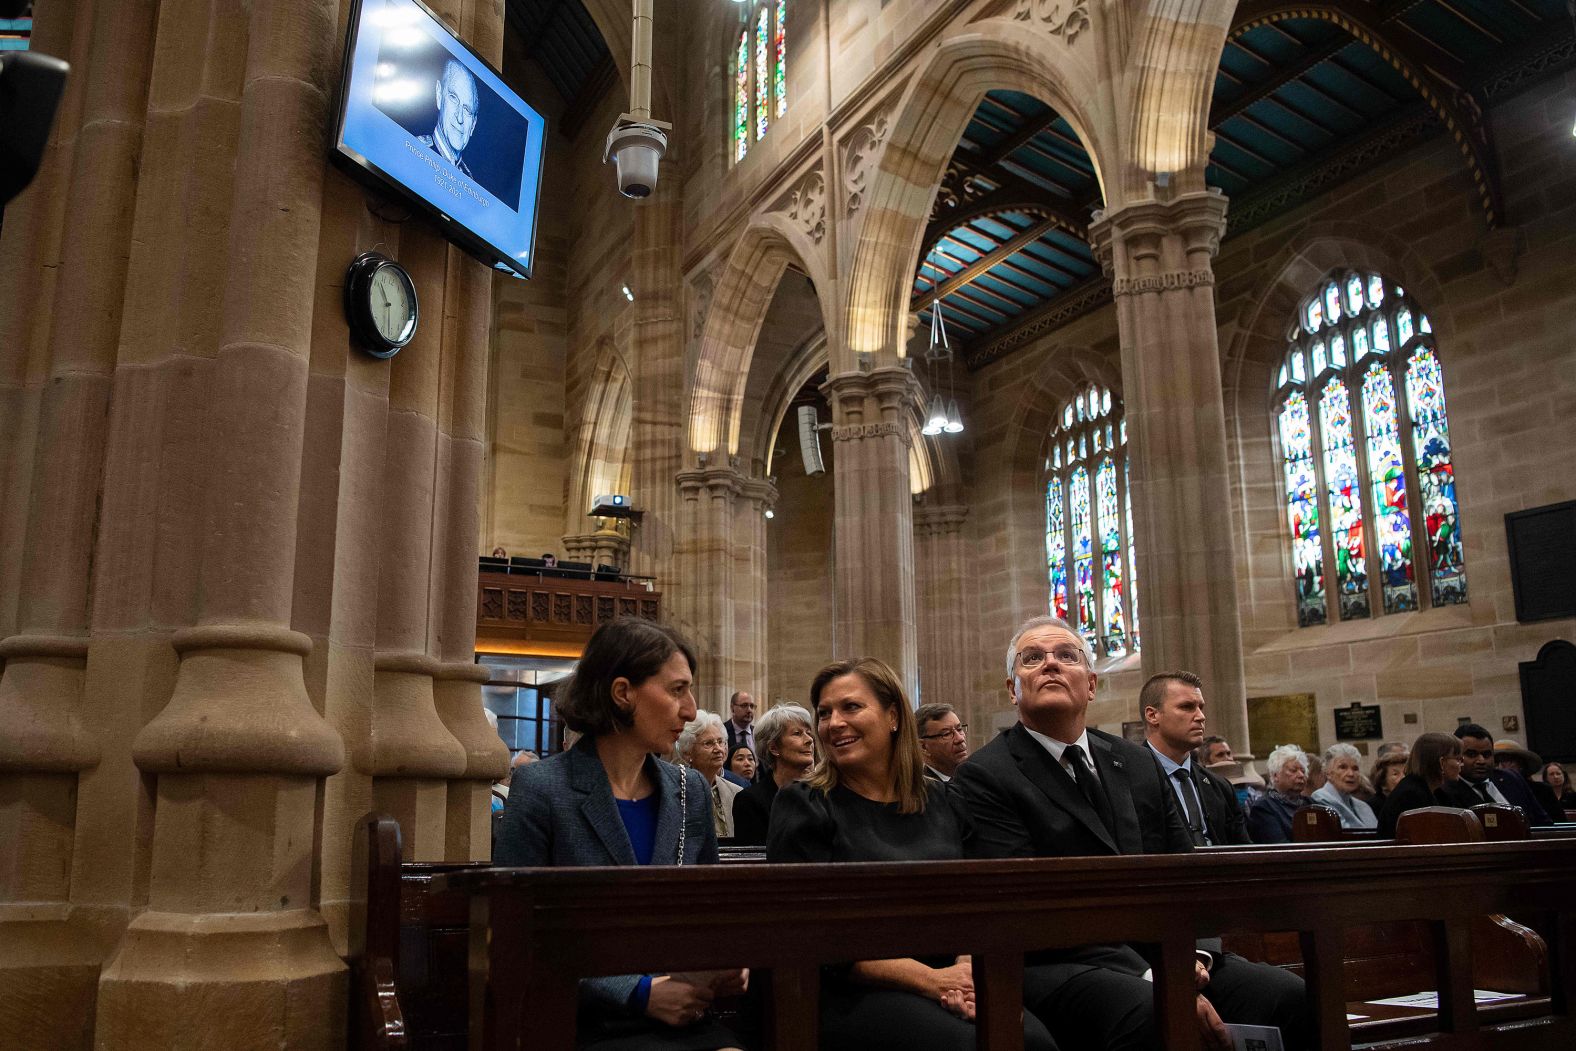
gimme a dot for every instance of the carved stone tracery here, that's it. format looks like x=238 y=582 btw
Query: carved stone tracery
x=859 y=159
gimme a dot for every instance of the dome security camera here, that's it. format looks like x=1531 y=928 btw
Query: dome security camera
x=636 y=147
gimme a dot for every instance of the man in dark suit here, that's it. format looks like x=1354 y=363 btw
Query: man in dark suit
x=1051 y=787
x=1172 y=704
x=741 y=726
x=1487 y=783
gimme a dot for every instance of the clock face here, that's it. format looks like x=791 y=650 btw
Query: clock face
x=393 y=307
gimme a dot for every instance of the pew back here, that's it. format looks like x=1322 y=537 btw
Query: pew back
x=536 y=931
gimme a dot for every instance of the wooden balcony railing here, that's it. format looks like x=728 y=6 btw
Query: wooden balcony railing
x=529 y=607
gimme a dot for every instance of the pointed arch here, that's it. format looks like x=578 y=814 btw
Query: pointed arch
x=738 y=308
x=600 y=461
x=935 y=110
x=1178 y=53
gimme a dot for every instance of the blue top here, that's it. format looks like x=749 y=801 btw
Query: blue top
x=640 y=821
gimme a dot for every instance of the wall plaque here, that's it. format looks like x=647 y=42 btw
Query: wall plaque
x=1286 y=719
x=1359 y=722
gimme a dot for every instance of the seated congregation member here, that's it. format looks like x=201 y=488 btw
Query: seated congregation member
x=1489 y=783
x=1433 y=778
x=608 y=801
x=1554 y=792
x=1387 y=772
x=942 y=739
x=1172 y=704
x=702 y=747
x=868 y=799
x=1215 y=749
x=1269 y=819
x=741 y=764
x=787 y=742
x=1344 y=765
x=1051 y=787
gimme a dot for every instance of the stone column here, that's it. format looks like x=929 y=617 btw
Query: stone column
x=873 y=517
x=724 y=568
x=1159 y=256
x=604 y=547
x=230 y=950
x=462 y=446
x=946 y=615
x=48 y=964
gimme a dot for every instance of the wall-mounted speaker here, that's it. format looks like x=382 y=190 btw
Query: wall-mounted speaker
x=810 y=441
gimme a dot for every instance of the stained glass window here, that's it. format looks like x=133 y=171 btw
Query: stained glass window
x=1355 y=463
x=780 y=59
x=1056 y=547
x=1387 y=477
x=763 y=23
x=741 y=98
x=1302 y=508
x=1089 y=545
x=1343 y=488
x=760 y=71
x=1425 y=391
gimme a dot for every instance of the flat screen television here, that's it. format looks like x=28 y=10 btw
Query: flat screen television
x=424 y=115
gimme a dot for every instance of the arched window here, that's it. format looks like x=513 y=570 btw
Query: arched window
x=1088 y=540
x=1354 y=455
x=760 y=73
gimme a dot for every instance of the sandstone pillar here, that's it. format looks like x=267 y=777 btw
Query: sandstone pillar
x=411 y=753
x=230 y=949
x=604 y=547
x=873 y=517
x=49 y=960
x=1159 y=256
x=946 y=619
x=724 y=572
x=462 y=446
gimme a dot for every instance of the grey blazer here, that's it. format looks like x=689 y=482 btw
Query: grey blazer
x=561 y=812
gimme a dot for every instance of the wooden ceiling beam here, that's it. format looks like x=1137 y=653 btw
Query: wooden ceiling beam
x=984 y=263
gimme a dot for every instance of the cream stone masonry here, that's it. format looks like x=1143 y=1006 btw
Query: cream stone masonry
x=1158 y=256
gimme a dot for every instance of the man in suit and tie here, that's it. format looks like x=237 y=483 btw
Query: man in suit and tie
x=1489 y=784
x=1051 y=787
x=741 y=726
x=1172 y=704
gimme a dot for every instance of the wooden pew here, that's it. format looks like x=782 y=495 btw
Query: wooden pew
x=408 y=983
x=408 y=980
x=535 y=932
x=1390 y=959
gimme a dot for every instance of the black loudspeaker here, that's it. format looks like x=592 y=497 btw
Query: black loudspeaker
x=30 y=88
x=810 y=441
x=1542 y=542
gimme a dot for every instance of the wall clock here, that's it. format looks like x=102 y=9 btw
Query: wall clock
x=380 y=304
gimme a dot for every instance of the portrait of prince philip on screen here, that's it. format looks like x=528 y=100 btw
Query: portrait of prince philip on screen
x=458 y=101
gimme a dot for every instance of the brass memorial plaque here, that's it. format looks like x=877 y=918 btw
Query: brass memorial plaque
x=1287 y=719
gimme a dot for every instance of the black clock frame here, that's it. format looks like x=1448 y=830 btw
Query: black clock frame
x=358 y=305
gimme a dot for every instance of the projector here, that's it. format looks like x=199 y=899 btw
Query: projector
x=612 y=505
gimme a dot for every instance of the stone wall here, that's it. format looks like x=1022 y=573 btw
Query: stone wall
x=799 y=591
x=1500 y=304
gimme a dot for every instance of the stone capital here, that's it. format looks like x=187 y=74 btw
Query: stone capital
x=863 y=403
x=760 y=492
x=1158 y=245
x=940 y=520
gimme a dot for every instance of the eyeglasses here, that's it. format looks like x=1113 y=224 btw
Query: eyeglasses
x=954 y=731
x=1028 y=660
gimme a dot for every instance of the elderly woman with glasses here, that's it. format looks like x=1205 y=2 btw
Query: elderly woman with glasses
x=868 y=799
x=787 y=742
x=1269 y=821
x=1343 y=764
x=702 y=747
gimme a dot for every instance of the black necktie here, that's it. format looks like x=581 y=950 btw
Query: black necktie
x=1088 y=784
x=1195 y=816
x=1481 y=788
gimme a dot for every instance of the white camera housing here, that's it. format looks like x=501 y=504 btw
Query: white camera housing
x=636 y=147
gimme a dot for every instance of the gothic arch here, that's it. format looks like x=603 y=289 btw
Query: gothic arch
x=600 y=460
x=733 y=323
x=1178 y=54
x=998 y=53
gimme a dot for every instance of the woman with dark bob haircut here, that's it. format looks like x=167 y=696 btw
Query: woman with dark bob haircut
x=1433 y=778
x=868 y=799
x=608 y=801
